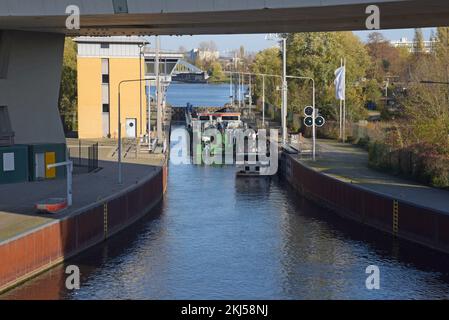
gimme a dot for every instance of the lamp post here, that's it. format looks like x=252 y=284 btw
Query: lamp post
x=119 y=155
x=284 y=83
x=158 y=93
x=314 y=112
x=141 y=45
x=263 y=101
x=263 y=75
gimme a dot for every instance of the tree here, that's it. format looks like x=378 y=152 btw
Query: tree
x=386 y=59
x=442 y=46
x=242 y=52
x=208 y=46
x=373 y=92
x=268 y=62
x=216 y=72
x=317 y=55
x=419 y=42
x=68 y=94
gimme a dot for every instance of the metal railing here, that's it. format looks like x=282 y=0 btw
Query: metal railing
x=84 y=156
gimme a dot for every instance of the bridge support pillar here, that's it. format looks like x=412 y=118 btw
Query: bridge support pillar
x=30 y=75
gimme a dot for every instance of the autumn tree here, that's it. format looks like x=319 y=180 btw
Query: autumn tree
x=268 y=62
x=68 y=93
x=318 y=55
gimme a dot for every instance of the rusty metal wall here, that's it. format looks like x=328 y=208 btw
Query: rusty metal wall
x=402 y=219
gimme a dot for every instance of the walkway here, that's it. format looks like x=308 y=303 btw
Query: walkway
x=350 y=164
x=17 y=213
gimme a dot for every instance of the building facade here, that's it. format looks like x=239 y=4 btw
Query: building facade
x=104 y=62
x=203 y=55
x=412 y=47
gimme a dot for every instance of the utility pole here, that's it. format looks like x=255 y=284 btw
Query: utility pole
x=263 y=101
x=149 y=114
x=250 y=95
x=160 y=137
x=230 y=91
x=284 y=91
x=140 y=87
x=341 y=111
x=240 y=91
x=344 y=107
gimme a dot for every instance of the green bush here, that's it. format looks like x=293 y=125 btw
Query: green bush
x=419 y=162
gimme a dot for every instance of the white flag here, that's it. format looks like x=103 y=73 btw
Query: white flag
x=340 y=83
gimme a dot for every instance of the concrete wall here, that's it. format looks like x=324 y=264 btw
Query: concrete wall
x=31 y=88
x=29 y=254
x=402 y=219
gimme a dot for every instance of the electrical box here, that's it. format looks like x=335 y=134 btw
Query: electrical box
x=41 y=155
x=14 y=164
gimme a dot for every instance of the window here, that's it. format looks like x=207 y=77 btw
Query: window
x=230 y=118
x=104 y=93
x=104 y=66
x=105 y=78
x=120 y=6
x=5 y=45
x=104 y=46
x=5 y=123
x=6 y=133
x=105 y=107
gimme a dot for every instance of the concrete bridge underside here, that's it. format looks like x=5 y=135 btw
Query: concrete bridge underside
x=181 y=17
x=31 y=43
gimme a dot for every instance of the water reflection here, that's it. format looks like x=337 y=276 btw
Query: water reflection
x=219 y=237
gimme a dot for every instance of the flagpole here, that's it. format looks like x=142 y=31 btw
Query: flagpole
x=344 y=107
x=341 y=110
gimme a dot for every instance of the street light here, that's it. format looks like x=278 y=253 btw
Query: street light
x=277 y=36
x=141 y=45
x=263 y=75
x=314 y=112
x=119 y=155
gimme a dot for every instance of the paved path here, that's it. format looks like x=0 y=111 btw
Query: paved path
x=350 y=164
x=17 y=213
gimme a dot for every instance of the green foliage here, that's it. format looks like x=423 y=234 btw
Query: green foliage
x=216 y=72
x=420 y=162
x=419 y=40
x=68 y=94
x=268 y=62
x=318 y=55
x=385 y=59
x=373 y=91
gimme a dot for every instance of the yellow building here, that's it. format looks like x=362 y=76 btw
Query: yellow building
x=103 y=62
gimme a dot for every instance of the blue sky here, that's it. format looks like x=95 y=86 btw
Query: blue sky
x=257 y=42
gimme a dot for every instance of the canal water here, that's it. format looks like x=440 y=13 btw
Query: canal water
x=215 y=236
x=210 y=95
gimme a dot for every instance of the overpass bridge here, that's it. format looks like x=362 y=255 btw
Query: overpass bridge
x=32 y=38
x=180 y=17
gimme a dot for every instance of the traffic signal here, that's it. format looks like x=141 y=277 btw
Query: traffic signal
x=319 y=121
x=308 y=120
x=308 y=111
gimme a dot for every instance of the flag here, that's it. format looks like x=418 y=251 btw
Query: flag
x=340 y=83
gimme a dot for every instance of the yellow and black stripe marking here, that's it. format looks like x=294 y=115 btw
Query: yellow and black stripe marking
x=395 y=217
x=105 y=212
